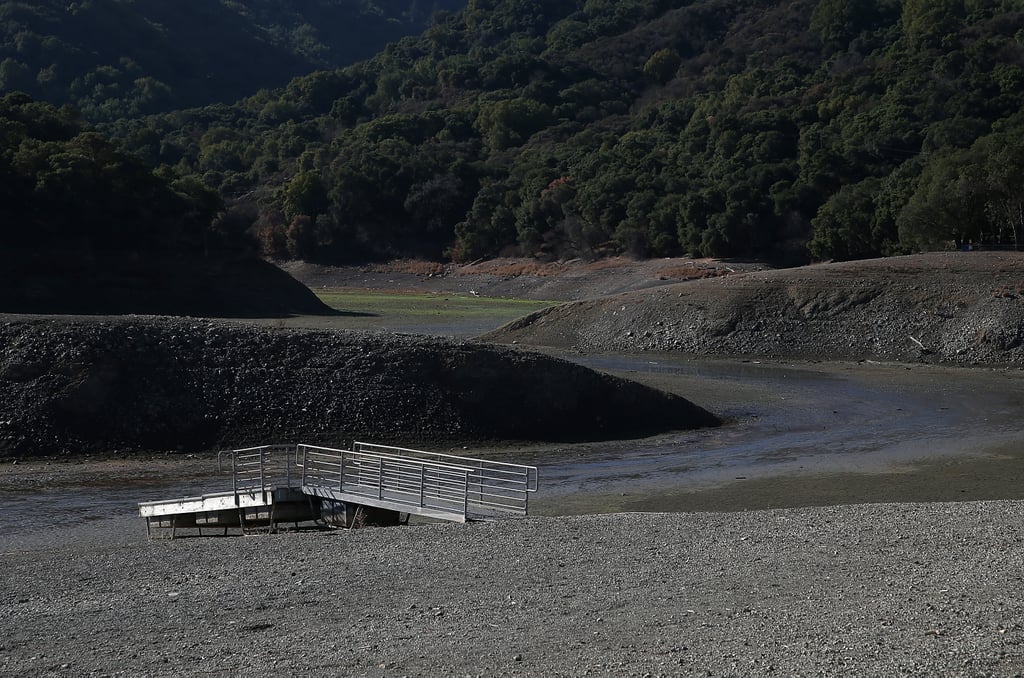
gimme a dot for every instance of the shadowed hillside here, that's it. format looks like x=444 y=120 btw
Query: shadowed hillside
x=85 y=228
x=125 y=58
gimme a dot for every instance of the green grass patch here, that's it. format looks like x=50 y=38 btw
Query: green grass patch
x=414 y=305
x=463 y=314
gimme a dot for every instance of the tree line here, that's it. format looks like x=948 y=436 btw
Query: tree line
x=559 y=128
x=64 y=187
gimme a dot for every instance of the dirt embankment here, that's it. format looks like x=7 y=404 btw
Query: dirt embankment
x=74 y=386
x=960 y=308
x=516 y=278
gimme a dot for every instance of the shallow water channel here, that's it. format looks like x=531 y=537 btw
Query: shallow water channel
x=796 y=434
x=850 y=432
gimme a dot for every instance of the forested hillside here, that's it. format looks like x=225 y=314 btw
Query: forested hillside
x=87 y=228
x=779 y=130
x=62 y=185
x=121 y=58
x=756 y=128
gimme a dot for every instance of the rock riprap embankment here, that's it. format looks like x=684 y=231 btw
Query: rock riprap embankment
x=74 y=386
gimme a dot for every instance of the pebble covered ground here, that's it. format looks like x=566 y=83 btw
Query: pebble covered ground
x=884 y=589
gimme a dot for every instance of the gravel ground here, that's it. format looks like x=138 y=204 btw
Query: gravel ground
x=885 y=589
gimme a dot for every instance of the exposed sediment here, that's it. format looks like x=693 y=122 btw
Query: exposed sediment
x=962 y=308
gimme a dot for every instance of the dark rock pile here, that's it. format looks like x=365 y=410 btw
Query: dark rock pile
x=74 y=386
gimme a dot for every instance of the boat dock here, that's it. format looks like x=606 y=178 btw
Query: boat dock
x=368 y=484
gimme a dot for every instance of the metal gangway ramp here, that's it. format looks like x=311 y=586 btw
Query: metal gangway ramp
x=443 y=486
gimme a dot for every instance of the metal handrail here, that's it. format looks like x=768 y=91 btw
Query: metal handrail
x=258 y=469
x=492 y=466
x=352 y=458
x=400 y=476
x=510 y=481
x=433 y=479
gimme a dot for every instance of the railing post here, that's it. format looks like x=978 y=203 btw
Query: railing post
x=234 y=477
x=288 y=465
x=341 y=473
x=263 y=480
x=380 y=477
x=423 y=471
x=465 y=494
x=304 y=461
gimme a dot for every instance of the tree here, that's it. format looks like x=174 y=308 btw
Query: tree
x=844 y=227
x=662 y=65
x=305 y=195
x=508 y=123
x=926 y=23
x=1004 y=179
x=437 y=204
x=14 y=76
x=948 y=205
x=752 y=132
x=839 y=21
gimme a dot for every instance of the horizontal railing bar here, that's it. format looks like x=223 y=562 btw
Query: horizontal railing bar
x=321 y=465
x=495 y=499
x=439 y=480
x=488 y=462
x=500 y=508
x=473 y=482
x=453 y=482
x=431 y=502
x=367 y=457
x=500 y=472
x=406 y=466
x=329 y=468
x=481 y=496
x=486 y=496
x=500 y=491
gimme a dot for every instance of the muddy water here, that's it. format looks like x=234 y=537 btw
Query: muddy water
x=806 y=434
x=41 y=496
x=796 y=434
